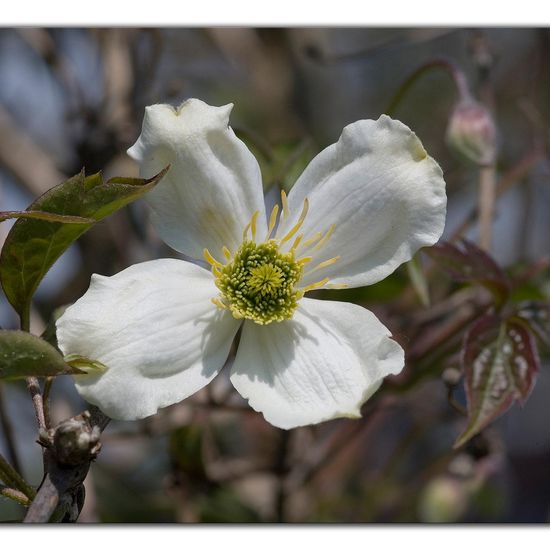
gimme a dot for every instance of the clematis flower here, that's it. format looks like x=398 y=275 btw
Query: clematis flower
x=164 y=328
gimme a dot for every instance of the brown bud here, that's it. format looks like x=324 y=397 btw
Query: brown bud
x=76 y=441
x=472 y=132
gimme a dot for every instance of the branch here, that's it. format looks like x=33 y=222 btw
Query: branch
x=11 y=478
x=14 y=494
x=70 y=448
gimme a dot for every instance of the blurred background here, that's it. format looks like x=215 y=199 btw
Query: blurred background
x=73 y=98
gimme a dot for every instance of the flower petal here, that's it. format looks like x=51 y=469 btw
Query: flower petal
x=214 y=184
x=323 y=363
x=154 y=327
x=384 y=194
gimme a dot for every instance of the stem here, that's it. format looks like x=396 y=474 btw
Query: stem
x=11 y=478
x=32 y=381
x=456 y=74
x=14 y=494
x=62 y=482
x=514 y=176
x=46 y=400
x=34 y=389
x=487 y=194
x=8 y=433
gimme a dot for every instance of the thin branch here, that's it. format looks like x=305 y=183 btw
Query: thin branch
x=61 y=493
x=34 y=389
x=15 y=495
x=46 y=400
x=12 y=479
x=487 y=197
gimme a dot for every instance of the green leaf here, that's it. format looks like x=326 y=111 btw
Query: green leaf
x=500 y=364
x=39 y=215
x=34 y=244
x=467 y=263
x=22 y=355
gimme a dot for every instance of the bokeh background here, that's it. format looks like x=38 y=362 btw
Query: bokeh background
x=73 y=98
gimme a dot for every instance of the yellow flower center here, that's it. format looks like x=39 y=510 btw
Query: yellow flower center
x=260 y=281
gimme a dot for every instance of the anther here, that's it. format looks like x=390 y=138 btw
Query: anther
x=296 y=242
x=272 y=221
x=210 y=259
x=217 y=302
x=253 y=224
x=226 y=252
x=316 y=285
x=326 y=263
x=312 y=240
x=284 y=202
x=326 y=237
x=301 y=219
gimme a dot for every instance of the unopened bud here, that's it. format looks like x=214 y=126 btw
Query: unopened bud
x=444 y=500
x=472 y=132
x=76 y=441
x=451 y=376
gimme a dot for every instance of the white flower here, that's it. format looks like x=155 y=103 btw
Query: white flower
x=164 y=328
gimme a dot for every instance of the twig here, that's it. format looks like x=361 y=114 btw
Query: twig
x=487 y=196
x=8 y=433
x=325 y=453
x=15 y=495
x=46 y=400
x=70 y=449
x=446 y=64
x=34 y=389
x=12 y=479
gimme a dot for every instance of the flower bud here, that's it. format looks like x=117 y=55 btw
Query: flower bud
x=472 y=132
x=76 y=441
x=443 y=500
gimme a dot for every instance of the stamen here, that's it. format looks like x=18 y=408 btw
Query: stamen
x=245 y=232
x=326 y=263
x=305 y=260
x=226 y=252
x=337 y=285
x=210 y=259
x=272 y=221
x=313 y=239
x=301 y=219
x=296 y=242
x=326 y=237
x=253 y=224
x=217 y=302
x=318 y=284
x=284 y=201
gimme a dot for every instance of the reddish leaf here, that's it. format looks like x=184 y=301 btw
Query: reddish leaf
x=469 y=264
x=500 y=363
x=537 y=316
